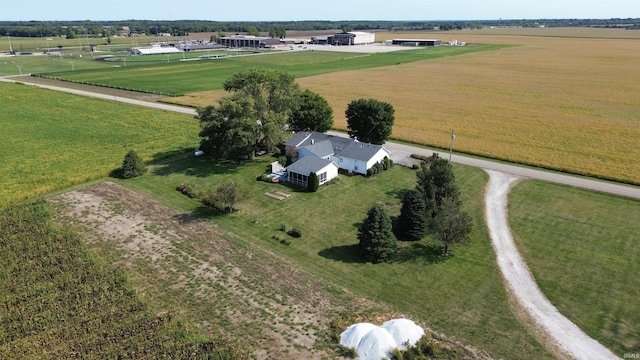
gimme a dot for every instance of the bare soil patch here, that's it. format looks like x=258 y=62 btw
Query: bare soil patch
x=187 y=266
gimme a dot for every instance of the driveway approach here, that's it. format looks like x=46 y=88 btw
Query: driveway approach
x=401 y=152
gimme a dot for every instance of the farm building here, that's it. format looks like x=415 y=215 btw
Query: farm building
x=347 y=154
x=155 y=50
x=352 y=38
x=249 y=41
x=416 y=42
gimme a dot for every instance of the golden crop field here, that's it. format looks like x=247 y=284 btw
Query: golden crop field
x=564 y=98
x=564 y=103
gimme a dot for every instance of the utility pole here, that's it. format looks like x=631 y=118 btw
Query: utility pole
x=72 y=67
x=19 y=69
x=453 y=137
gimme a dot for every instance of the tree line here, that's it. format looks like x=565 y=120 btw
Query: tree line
x=183 y=27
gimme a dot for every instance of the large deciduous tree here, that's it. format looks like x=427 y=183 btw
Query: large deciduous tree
x=370 y=120
x=311 y=112
x=412 y=224
x=435 y=182
x=452 y=224
x=377 y=242
x=254 y=115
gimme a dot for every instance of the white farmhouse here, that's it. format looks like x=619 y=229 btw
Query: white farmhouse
x=314 y=152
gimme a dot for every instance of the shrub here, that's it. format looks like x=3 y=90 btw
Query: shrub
x=379 y=168
x=294 y=233
x=283 y=228
x=186 y=188
x=283 y=160
x=313 y=183
x=132 y=165
x=416 y=166
x=264 y=177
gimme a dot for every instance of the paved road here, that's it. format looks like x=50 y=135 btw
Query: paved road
x=401 y=152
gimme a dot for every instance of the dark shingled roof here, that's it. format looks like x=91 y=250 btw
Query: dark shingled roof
x=324 y=145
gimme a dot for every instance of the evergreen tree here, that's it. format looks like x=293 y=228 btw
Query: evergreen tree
x=412 y=224
x=377 y=242
x=132 y=165
x=313 y=182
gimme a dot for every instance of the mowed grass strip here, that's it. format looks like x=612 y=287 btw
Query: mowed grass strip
x=52 y=140
x=584 y=251
x=560 y=103
x=462 y=296
x=178 y=78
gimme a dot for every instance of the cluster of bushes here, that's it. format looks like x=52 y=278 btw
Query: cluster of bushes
x=380 y=167
x=281 y=240
x=186 y=188
x=223 y=197
x=293 y=232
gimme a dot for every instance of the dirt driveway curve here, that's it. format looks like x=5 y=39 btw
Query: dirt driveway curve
x=566 y=335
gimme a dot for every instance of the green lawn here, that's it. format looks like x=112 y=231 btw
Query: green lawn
x=52 y=140
x=178 y=78
x=462 y=296
x=584 y=251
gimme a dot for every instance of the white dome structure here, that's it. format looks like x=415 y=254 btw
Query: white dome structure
x=376 y=345
x=353 y=334
x=376 y=342
x=404 y=331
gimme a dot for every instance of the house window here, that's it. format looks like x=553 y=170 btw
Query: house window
x=322 y=177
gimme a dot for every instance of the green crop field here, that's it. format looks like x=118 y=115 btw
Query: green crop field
x=52 y=140
x=584 y=251
x=177 y=78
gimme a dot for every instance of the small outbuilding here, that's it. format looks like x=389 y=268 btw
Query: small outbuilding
x=416 y=42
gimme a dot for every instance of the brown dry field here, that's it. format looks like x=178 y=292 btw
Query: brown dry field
x=557 y=102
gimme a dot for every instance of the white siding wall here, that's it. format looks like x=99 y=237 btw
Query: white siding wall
x=331 y=171
x=368 y=38
x=378 y=157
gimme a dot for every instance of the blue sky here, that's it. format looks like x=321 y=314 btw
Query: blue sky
x=286 y=10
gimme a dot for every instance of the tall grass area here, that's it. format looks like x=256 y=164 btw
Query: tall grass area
x=462 y=296
x=178 y=78
x=584 y=251
x=52 y=140
x=58 y=302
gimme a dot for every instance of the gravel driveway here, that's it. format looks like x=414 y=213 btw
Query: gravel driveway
x=567 y=336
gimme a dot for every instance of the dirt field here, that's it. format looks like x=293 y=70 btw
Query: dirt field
x=187 y=266
x=176 y=259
